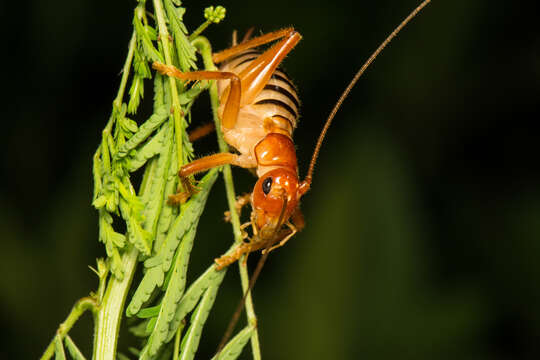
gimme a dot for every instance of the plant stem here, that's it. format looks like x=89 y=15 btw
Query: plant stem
x=177 y=343
x=117 y=103
x=200 y=29
x=110 y=313
x=203 y=45
x=177 y=113
x=82 y=305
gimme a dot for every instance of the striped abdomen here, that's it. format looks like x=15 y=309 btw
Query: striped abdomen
x=278 y=100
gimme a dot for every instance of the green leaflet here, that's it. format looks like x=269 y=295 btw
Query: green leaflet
x=148 y=150
x=145 y=130
x=121 y=356
x=139 y=330
x=211 y=277
x=151 y=325
x=159 y=92
x=186 y=51
x=155 y=199
x=153 y=277
x=140 y=65
x=161 y=262
x=190 y=343
x=136 y=234
x=141 y=72
x=128 y=126
x=191 y=212
x=73 y=350
x=168 y=213
x=234 y=347
x=96 y=172
x=144 y=37
x=174 y=292
x=136 y=93
x=149 y=312
x=111 y=239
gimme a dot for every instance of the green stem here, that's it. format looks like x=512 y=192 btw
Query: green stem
x=117 y=103
x=177 y=112
x=199 y=30
x=84 y=304
x=176 y=345
x=109 y=316
x=203 y=45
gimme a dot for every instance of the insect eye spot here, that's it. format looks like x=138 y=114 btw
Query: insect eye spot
x=266 y=185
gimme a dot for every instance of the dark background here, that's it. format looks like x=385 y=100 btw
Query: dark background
x=424 y=217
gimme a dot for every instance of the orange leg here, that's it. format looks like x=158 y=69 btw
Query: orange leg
x=244 y=248
x=247 y=35
x=201 y=131
x=203 y=164
x=241 y=201
x=250 y=44
x=232 y=104
x=255 y=77
x=258 y=73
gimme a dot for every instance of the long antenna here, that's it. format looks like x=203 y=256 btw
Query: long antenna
x=351 y=85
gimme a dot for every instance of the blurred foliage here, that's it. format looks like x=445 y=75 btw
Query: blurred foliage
x=423 y=221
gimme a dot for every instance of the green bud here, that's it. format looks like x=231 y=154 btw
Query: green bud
x=214 y=15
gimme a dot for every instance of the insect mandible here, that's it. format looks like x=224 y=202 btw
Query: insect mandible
x=259 y=111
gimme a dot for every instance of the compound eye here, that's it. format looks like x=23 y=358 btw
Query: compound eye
x=266 y=185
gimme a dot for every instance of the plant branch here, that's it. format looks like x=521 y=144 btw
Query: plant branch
x=109 y=316
x=82 y=305
x=117 y=103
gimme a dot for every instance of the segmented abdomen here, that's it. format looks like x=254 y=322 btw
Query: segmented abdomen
x=277 y=100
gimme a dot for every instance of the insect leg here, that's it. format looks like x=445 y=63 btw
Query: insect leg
x=255 y=76
x=201 y=131
x=287 y=235
x=244 y=248
x=241 y=201
x=233 y=95
x=250 y=44
x=247 y=35
x=203 y=164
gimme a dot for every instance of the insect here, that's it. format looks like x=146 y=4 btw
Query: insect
x=259 y=111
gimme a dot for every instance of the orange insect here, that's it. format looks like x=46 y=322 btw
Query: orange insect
x=258 y=112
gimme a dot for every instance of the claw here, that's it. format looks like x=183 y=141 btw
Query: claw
x=182 y=197
x=223 y=262
x=178 y=198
